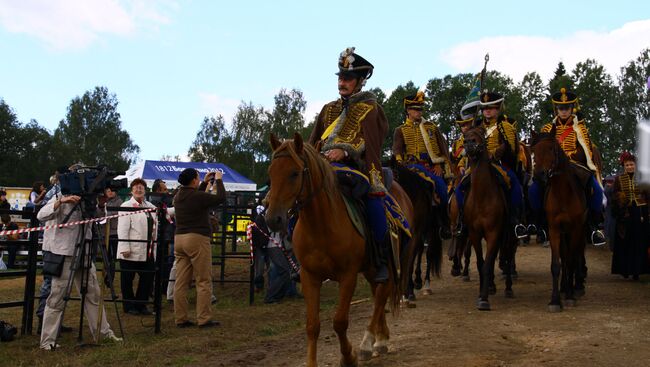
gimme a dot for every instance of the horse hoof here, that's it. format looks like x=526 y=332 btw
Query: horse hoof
x=570 y=302
x=579 y=292
x=509 y=293
x=455 y=272
x=427 y=292
x=554 y=308
x=417 y=285
x=364 y=355
x=465 y=278
x=411 y=298
x=381 y=350
x=483 y=305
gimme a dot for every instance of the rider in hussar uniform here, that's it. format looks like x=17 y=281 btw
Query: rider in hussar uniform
x=350 y=132
x=573 y=136
x=419 y=145
x=502 y=147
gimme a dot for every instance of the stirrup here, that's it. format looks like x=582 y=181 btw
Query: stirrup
x=541 y=236
x=598 y=238
x=520 y=231
x=531 y=229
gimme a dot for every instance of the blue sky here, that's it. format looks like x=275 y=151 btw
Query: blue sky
x=171 y=63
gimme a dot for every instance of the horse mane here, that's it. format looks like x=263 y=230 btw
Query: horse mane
x=313 y=160
x=563 y=160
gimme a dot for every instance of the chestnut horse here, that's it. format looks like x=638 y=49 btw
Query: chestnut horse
x=565 y=205
x=327 y=244
x=486 y=217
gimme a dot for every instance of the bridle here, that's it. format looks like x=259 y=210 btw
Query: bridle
x=300 y=202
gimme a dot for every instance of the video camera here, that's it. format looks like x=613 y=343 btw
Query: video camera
x=87 y=181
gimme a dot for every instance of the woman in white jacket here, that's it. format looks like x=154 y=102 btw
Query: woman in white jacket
x=137 y=257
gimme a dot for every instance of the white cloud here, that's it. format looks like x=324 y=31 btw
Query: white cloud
x=213 y=105
x=517 y=55
x=64 y=24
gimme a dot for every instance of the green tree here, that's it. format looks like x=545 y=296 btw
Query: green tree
x=25 y=150
x=286 y=117
x=534 y=97
x=213 y=142
x=445 y=98
x=92 y=133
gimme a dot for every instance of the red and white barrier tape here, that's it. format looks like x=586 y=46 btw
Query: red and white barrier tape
x=249 y=235
x=70 y=224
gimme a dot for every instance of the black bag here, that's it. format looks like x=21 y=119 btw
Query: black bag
x=53 y=264
x=7 y=331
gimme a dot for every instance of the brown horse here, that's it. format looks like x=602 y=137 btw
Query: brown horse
x=327 y=244
x=425 y=229
x=486 y=217
x=565 y=205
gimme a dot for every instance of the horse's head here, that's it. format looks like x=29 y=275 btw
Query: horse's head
x=287 y=175
x=547 y=154
x=297 y=174
x=474 y=142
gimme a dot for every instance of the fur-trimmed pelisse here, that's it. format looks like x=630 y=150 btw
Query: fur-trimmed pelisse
x=626 y=156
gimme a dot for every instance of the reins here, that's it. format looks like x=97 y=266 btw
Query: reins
x=299 y=203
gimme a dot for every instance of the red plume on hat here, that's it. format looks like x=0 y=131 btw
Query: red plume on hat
x=626 y=156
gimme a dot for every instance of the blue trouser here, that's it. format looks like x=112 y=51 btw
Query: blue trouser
x=45 y=290
x=516 y=193
x=440 y=184
x=376 y=215
x=594 y=201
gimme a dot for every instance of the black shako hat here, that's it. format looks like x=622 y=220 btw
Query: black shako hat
x=489 y=99
x=415 y=101
x=353 y=65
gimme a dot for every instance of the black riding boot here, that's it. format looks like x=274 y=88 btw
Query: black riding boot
x=382 y=258
x=594 y=223
x=445 y=225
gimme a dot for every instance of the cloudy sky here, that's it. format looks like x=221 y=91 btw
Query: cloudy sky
x=172 y=62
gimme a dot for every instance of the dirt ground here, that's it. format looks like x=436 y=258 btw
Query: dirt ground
x=610 y=326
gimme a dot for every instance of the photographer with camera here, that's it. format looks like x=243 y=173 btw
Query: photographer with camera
x=112 y=200
x=137 y=257
x=61 y=242
x=192 y=243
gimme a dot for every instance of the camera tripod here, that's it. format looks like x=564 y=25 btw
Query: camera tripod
x=83 y=259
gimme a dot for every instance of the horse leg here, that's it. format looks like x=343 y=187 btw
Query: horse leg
x=382 y=332
x=478 y=250
x=365 y=348
x=468 y=255
x=418 y=265
x=488 y=272
x=427 y=277
x=510 y=265
x=579 y=290
x=311 y=291
x=556 y=303
x=341 y=320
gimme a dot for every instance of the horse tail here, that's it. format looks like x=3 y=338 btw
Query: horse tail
x=435 y=249
x=400 y=282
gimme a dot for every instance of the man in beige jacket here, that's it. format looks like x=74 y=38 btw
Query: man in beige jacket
x=62 y=241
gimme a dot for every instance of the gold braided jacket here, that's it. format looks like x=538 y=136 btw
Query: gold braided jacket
x=458 y=152
x=626 y=185
x=360 y=130
x=409 y=144
x=570 y=144
x=494 y=139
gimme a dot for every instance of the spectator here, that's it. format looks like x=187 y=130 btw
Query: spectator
x=260 y=257
x=37 y=195
x=8 y=224
x=4 y=203
x=281 y=283
x=110 y=199
x=137 y=257
x=630 y=208
x=62 y=241
x=192 y=244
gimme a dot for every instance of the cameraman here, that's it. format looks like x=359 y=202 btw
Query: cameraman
x=192 y=244
x=62 y=241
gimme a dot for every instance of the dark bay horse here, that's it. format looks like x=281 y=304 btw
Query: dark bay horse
x=425 y=228
x=486 y=217
x=565 y=205
x=328 y=245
